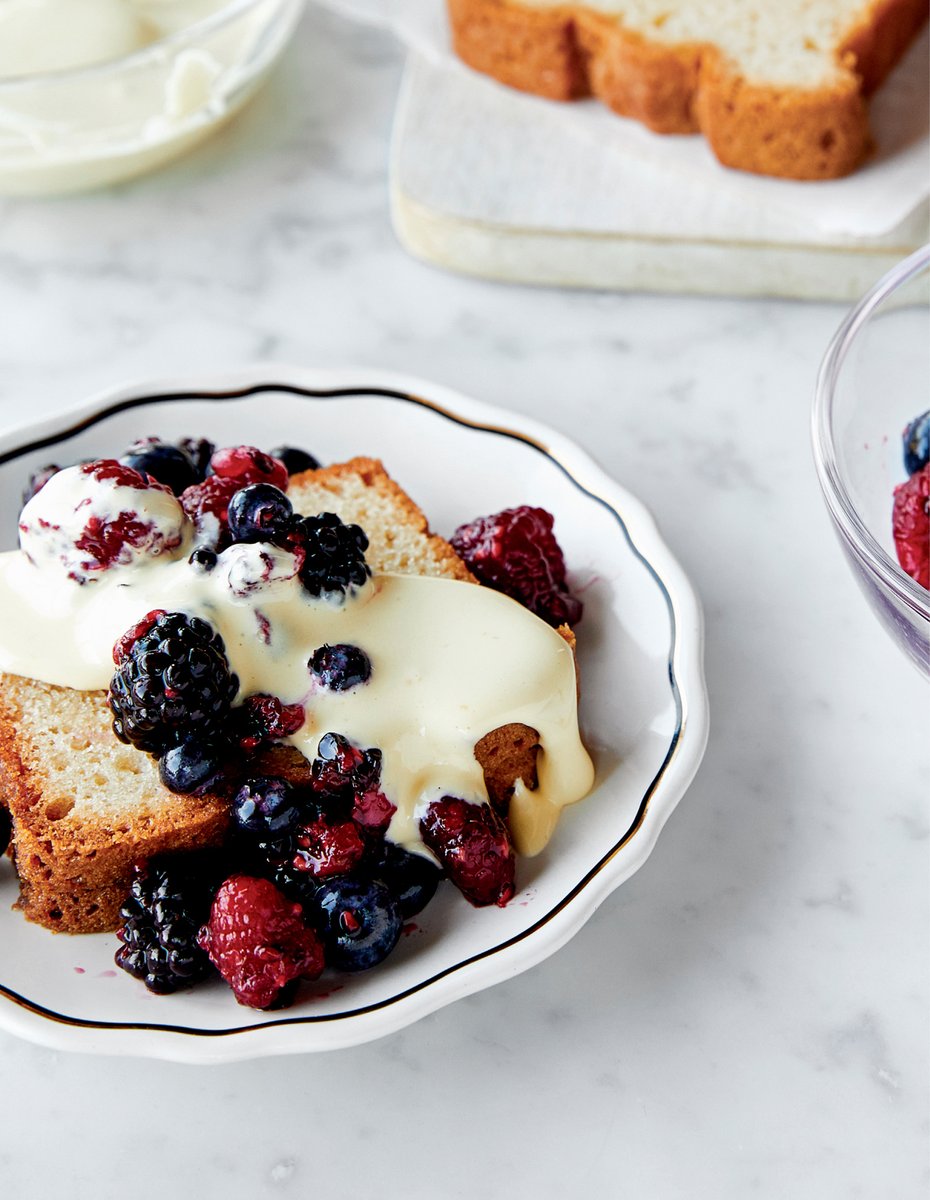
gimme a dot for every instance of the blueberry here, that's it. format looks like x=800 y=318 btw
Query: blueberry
x=166 y=463
x=204 y=559
x=38 y=479
x=193 y=765
x=258 y=512
x=917 y=444
x=411 y=878
x=5 y=828
x=295 y=460
x=199 y=451
x=340 y=667
x=359 y=922
x=266 y=806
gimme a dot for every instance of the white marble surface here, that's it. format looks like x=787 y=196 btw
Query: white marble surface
x=747 y=1017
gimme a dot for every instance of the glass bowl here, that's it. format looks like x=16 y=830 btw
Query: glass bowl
x=874 y=379
x=90 y=126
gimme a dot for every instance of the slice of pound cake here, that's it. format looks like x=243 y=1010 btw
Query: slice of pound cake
x=85 y=806
x=777 y=89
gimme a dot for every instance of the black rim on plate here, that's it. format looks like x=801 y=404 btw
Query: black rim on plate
x=408 y=398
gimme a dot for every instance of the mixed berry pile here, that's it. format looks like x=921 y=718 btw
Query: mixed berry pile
x=307 y=878
x=911 y=510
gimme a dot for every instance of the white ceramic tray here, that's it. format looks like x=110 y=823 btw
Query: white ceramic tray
x=643 y=707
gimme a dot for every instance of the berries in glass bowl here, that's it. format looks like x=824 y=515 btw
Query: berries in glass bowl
x=873 y=382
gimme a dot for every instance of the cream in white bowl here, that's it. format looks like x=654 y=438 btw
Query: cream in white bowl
x=96 y=91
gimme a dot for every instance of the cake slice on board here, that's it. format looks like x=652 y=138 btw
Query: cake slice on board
x=777 y=89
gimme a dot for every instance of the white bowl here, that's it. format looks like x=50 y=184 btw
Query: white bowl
x=643 y=706
x=91 y=126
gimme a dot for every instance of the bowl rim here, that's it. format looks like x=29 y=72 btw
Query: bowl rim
x=230 y=11
x=861 y=541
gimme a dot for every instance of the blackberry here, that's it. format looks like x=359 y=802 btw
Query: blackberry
x=172 y=682
x=334 y=554
x=340 y=667
x=166 y=906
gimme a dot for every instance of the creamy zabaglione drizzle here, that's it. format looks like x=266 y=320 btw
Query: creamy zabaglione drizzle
x=450 y=661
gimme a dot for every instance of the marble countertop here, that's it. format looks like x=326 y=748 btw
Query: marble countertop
x=748 y=1015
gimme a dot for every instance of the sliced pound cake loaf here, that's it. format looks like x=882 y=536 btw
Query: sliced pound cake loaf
x=85 y=806
x=777 y=89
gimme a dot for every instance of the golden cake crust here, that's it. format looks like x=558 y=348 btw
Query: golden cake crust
x=568 y=51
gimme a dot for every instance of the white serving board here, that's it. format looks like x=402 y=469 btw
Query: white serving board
x=486 y=181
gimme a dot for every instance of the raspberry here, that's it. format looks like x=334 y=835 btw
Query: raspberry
x=343 y=776
x=328 y=848
x=246 y=464
x=171 y=682
x=124 y=644
x=109 y=470
x=103 y=514
x=262 y=719
x=207 y=505
x=472 y=843
x=167 y=904
x=515 y=552
x=258 y=941
x=911 y=525
x=373 y=811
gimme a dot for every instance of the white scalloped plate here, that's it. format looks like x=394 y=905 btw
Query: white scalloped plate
x=643 y=707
